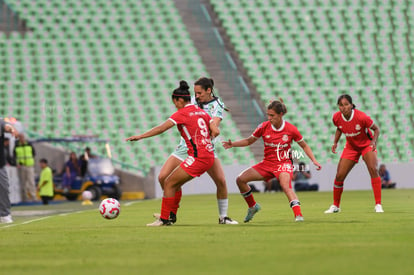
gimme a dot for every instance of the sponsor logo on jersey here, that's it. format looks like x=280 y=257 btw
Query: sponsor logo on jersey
x=352 y=134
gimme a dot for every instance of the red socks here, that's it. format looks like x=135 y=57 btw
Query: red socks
x=376 y=187
x=339 y=187
x=337 y=192
x=177 y=199
x=248 y=197
x=166 y=207
x=295 y=205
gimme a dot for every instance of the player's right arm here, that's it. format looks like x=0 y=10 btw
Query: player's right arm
x=239 y=143
x=154 y=131
x=338 y=134
x=214 y=129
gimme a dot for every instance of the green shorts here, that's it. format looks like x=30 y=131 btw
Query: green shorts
x=180 y=152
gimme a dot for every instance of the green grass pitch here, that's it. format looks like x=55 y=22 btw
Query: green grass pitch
x=68 y=238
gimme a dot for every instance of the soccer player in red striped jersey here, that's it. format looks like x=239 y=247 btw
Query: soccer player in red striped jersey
x=194 y=125
x=277 y=135
x=356 y=126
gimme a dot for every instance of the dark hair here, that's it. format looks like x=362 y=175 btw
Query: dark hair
x=43 y=161
x=347 y=97
x=182 y=92
x=278 y=106
x=205 y=83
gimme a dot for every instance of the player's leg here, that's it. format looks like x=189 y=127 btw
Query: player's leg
x=172 y=184
x=216 y=173
x=242 y=181
x=170 y=164
x=344 y=167
x=173 y=161
x=370 y=159
x=285 y=180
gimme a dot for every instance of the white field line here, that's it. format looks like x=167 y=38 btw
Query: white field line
x=60 y=214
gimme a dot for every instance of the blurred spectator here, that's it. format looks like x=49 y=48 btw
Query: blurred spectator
x=10 y=160
x=301 y=177
x=45 y=186
x=5 y=204
x=84 y=158
x=272 y=185
x=385 y=177
x=25 y=154
x=72 y=170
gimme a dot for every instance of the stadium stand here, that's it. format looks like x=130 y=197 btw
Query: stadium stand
x=309 y=52
x=103 y=68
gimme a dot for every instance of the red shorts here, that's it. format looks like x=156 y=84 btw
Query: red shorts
x=269 y=170
x=352 y=154
x=195 y=167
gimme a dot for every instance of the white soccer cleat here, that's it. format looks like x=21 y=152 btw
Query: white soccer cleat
x=159 y=222
x=333 y=209
x=227 y=220
x=6 y=219
x=299 y=219
x=378 y=208
x=157 y=216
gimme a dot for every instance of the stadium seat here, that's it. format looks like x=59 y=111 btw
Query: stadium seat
x=91 y=66
x=337 y=46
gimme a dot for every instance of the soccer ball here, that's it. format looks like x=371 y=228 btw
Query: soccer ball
x=110 y=208
x=86 y=195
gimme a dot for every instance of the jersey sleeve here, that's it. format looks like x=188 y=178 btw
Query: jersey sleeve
x=367 y=120
x=335 y=119
x=177 y=118
x=296 y=135
x=258 y=132
x=219 y=110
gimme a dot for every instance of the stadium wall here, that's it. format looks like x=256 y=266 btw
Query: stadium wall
x=358 y=179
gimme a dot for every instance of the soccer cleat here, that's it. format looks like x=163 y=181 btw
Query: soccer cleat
x=160 y=222
x=172 y=219
x=227 y=220
x=251 y=212
x=333 y=209
x=378 y=208
x=6 y=219
x=299 y=219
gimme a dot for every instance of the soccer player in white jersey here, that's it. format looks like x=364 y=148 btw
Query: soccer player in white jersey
x=277 y=135
x=205 y=99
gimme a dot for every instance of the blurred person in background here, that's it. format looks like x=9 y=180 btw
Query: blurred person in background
x=25 y=154
x=45 y=185
x=5 y=205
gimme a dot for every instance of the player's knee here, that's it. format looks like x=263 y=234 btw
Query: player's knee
x=240 y=181
x=373 y=172
x=161 y=180
x=220 y=183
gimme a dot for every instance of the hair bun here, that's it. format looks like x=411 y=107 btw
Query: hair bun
x=184 y=85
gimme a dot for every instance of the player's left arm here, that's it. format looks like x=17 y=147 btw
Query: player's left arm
x=376 y=130
x=309 y=153
x=154 y=131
